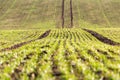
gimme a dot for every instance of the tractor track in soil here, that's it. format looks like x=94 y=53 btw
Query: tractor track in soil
x=45 y=34
x=102 y=38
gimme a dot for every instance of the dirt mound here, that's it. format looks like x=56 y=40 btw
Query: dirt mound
x=102 y=38
x=27 y=42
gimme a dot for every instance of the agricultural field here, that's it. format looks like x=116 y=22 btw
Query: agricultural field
x=65 y=54
x=21 y=14
x=59 y=40
x=10 y=37
x=111 y=33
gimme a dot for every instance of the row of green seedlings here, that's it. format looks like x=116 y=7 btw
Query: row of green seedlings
x=41 y=67
x=111 y=33
x=53 y=65
x=103 y=64
x=7 y=57
x=56 y=72
x=76 y=35
x=116 y=56
x=89 y=38
x=11 y=60
x=60 y=65
x=80 y=35
x=8 y=40
x=17 y=35
x=79 y=69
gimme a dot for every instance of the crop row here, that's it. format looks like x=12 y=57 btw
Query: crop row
x=8 y=38
x=111 y=33
x=63 y=55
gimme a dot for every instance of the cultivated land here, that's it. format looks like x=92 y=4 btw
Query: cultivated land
x=33 y=46
x=47 y=13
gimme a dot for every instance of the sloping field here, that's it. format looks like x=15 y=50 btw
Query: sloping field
x=10 y=37
x=33 y=46
x=47 y=14
x=111 y=33
x=65 y=54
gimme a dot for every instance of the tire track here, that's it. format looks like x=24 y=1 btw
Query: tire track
x=45 y=34
x=102 y=38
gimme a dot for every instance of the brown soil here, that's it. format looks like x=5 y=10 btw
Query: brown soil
x=102 y=38
x=45 y=34
x=55 y=68
x=33 y=75
x=17 y=71
x=27 y=42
